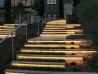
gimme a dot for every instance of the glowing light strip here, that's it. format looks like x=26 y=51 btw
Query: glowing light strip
x=37 y=65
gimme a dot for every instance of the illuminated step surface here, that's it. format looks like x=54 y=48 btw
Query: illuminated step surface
x=54 y=28
x=76 y=30
x=6 y=29
x=51 y=45
x=58 y=35
x=67 y=41
x=57 y=50
x=5 y=33
x=58 y=32
x=38 y=64
x=49 y=38
x=2 y=36
x=16 y=71
x=50 y=57
x=13 y=25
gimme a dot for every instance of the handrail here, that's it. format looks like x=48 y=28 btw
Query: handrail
x=42 y=17
x=42 y=22
x=11 y=33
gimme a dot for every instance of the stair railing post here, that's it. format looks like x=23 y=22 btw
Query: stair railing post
x=26 y=32
x=42 y=23
x=45 y=17
x=12 y=47
x=38 y=28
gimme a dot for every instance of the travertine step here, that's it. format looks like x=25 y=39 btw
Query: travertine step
x=58 y=35
x=79 y=52
x=54 y=28
x=17 y=71
x=67 y=58
x=51 y=46
x=49 y=38
x=56 y=50
x=2 y=36
x=67 y=41
x=7 y=27
x=74 y=30
x=38 y=64
x=13 y=25
x=5 y=33
x=58 y=32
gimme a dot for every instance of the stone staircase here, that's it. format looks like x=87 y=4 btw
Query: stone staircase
x=51 y=51
x=5 y=30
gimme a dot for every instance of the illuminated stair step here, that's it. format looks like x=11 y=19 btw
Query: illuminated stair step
x=58 y=51
x=38 y=64
x=2 y=36
x=67 y=41
x=63 y=30
x=17 y=71
x=5 y=33
x=49 y=57
x=58 y=32
x=49 y=38
x=11 y=25
x=51 y=45
x=63 y=24
x=54 y=28
x=2 y=27
x=53 y=23
x=76 y=30
x=5 y=29
x=58 y=35
x=57 y=22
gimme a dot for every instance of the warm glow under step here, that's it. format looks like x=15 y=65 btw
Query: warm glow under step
x=17 y=71
x=76 y=30
x=67 y=41
x=58 y=35
x=2 y=36
x=54 y=28
x=38 y=64
x=52 y=46
x=58 y=32
x=59 y=50
x=48 y=57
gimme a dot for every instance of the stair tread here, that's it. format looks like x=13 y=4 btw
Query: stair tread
x=34 y=62
x=48 y=55
x=58 y=49
x=33 y=71
x=45 y=72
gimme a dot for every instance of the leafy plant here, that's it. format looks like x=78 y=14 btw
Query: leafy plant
x=19 y=8
x=36 y=5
